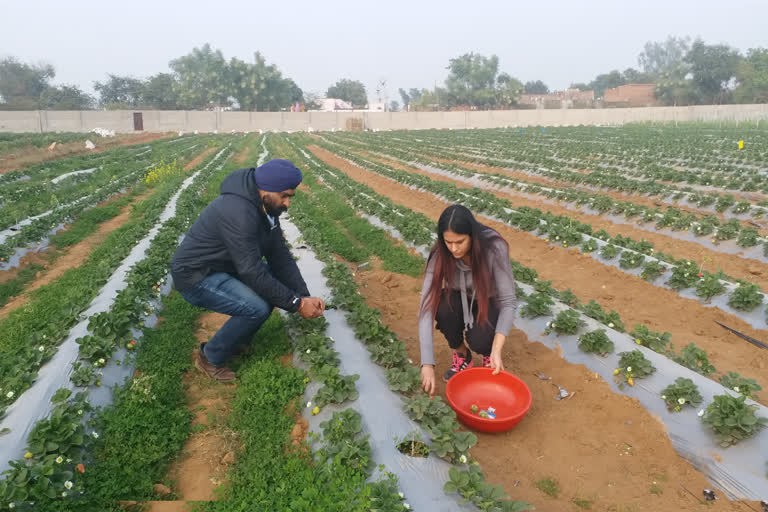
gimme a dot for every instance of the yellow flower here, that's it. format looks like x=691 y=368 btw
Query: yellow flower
x=28 y=455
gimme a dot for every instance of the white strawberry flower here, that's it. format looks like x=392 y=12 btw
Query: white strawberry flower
x=681 y=401
x=463 y=459
x=68 y=484
x=95 y=435
x=59 y=459
x=309 y=350
x=401 y=495
x=309 y=404
x=663 y=397
x=406 y=506
x=9 y=394
x=610 y=325
x=41 y=348
x=629 y=368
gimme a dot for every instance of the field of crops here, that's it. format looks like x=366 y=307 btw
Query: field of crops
x=639 y=253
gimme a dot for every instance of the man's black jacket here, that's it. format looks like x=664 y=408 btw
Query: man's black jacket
x=231 y=235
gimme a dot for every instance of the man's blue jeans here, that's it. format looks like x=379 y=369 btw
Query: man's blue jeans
x=223 y=293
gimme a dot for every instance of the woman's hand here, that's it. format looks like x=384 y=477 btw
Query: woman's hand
x=428 y=379
x=498 y=345
x=496 y=363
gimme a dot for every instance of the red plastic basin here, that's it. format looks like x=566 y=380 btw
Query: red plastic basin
x=478 y=386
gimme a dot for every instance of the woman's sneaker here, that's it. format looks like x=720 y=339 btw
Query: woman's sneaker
x=460 y=362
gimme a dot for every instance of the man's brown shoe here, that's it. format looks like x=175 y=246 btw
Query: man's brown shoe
x=220 y=373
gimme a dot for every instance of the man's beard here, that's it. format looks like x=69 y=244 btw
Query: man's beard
x=274 y=211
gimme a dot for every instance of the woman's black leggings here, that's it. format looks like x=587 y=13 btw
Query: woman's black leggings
x=450 y=322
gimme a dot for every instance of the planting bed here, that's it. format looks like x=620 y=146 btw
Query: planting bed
x=640 y=400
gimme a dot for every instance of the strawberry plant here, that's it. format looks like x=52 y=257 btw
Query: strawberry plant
x=596 y=342
x=748 y=237
x=94 y=348
x=683 y=393
x=430 y=412
x=590 y=245
x=729 y=230
x=569 y=298
x=47 y=470
x=652 y=270
x=406 y=380
x=471 y=486
x=538 y=304
x=746 y=297
x=696 y=359
x=633 y=365
x=609 y=251
x=343 y=425
x=741 y=385
x=653 y=340
x=566 y=322
x=388 y=353
x=337 y=389
x=709 y=286
x=84 y=375
x=612 y=319
x=631 y=259
x=732 y=420
x=447 y=443
x=684 y=275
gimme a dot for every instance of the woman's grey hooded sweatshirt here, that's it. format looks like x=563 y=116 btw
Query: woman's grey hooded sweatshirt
x=503 y=292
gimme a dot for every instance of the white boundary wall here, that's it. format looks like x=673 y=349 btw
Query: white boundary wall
x=189 y=121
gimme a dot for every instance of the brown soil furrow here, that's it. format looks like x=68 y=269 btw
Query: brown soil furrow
x=616 y=196
x=202 y=464
x=24 y=157
x=71 y=257
x=597 y=444
x=751 y=270
x=199 y=158
x=636 y=301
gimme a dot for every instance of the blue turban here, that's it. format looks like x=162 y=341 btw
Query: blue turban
x=277 y=175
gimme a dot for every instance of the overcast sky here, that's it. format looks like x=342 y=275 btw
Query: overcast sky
x=408 y=43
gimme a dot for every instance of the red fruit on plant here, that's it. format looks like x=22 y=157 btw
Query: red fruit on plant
x=80 y=468
x=701 y=275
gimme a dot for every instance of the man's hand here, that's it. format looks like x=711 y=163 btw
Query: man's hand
x=311 y=307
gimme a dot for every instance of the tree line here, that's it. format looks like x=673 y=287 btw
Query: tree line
x=684 y=72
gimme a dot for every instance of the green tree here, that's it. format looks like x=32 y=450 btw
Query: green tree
x=22 y=84
x=633 y=76
x=472 y=80
x=394 y=106
x=202 y=78
x=712 y=68
x=405 y=97
x=752 y=77
x=352 y=91
x=580 y=86
x=537 y=87
x=65 y=97
x=667 y=56
x=508 y=90
x=160 y=92
x=607 y=81
x=119 y=92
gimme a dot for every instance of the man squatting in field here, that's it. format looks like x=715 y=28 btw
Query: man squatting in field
x=235 y=260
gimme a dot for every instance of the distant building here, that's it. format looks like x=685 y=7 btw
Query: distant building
x=631 y=95
x=337 y=105
x=568 y=98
